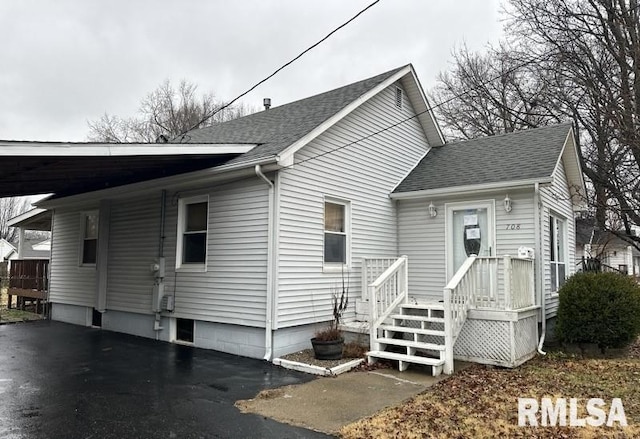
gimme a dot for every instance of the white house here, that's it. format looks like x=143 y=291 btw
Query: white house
x=7 y=251
x=238 y=250
x=609 y=249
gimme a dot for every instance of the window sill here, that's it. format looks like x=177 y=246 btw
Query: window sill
x=192 y=268
x=335 y=268
x=87 y=266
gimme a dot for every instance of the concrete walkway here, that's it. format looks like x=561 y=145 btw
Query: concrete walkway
x=327 y=404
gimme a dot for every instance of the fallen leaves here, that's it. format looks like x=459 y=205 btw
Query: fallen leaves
x=482 y=401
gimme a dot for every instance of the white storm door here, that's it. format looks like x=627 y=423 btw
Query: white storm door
x=470 y=231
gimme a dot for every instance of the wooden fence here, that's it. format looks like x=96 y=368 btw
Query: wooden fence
x=29 y=282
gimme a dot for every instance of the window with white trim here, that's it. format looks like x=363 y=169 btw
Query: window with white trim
x=89 y=242
x=558 y=257
x=336 y=232
x=193 y=218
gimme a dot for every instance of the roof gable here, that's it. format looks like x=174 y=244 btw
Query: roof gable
x=280 y=131
x=529 y=155
x=6 y=249
x=573 y=170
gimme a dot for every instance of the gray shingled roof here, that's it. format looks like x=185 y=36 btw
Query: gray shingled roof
x=276 y=129
x=522 y=155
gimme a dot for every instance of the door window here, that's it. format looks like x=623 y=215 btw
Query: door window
x=470 y=234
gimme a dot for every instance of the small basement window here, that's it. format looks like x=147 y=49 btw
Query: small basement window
x=184 y=330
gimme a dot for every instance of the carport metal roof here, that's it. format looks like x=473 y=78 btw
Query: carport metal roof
x=29 y=168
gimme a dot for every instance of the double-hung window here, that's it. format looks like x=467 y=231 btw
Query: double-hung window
x=193 y=217
x=336 y=227
x=558 y=258
x=89 y=244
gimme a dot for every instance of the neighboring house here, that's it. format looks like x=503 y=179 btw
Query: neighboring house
x=7 y=251
x=611 y=250
x=241 y=257
x=36 y=248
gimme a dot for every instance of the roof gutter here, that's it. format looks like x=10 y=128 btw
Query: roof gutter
x=475 y=189
x=210 y=175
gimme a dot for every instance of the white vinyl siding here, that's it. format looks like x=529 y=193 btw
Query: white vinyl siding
x=70 y=283
x=233 y=288
x=134 y=241
x=422 y=238
x=363 y=173
x=556 y=201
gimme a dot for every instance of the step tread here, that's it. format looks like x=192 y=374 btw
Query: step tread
x=408 y=358
x=437 y=306
x=395 y=328
x=417 y=318
x=409 y=343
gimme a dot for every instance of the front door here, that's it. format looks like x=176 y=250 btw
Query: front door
x=470 y=231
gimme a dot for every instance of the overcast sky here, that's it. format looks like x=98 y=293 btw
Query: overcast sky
x=65 y=62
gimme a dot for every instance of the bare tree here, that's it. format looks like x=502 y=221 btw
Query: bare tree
x=592 y=51
x=491 y=93
x=566 y=59
x=9 y=208
x=163 y=114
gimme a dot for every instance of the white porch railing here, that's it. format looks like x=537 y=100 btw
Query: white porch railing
x=372 y=268
x=477 y=284
x=519 y=285
x=503 y=283
x=459 y=297
x=388 y=291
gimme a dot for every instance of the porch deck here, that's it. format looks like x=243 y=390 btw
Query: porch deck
x=487 y=314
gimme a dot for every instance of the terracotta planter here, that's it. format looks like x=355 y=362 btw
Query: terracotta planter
x=327 y=350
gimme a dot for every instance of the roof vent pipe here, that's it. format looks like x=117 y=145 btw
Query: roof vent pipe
x=267 y=103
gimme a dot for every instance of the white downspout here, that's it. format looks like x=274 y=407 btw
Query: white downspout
x=268 y=330
x=157 y=327
x=540 y=269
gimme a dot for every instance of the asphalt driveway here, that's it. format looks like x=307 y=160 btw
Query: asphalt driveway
x=65 y=381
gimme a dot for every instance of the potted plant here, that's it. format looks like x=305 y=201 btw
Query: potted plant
x=328 y=343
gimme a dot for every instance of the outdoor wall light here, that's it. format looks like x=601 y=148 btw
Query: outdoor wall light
x=507 y=204
x=432 y=210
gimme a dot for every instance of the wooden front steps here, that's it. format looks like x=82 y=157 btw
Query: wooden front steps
x=413 y=334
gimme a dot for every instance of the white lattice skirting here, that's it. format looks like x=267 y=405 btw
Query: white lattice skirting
x=501 y=338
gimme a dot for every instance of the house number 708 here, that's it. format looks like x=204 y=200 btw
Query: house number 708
x=513 y=227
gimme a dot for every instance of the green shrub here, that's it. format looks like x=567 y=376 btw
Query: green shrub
x=602 y=308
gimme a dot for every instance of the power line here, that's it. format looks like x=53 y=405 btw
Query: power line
x=431 y=107
x=300 y=55
x=428 y=109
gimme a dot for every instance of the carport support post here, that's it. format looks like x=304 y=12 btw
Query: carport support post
x=20 y=242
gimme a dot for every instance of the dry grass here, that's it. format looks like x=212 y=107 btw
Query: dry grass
x=16 y=315
x=483 y=401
